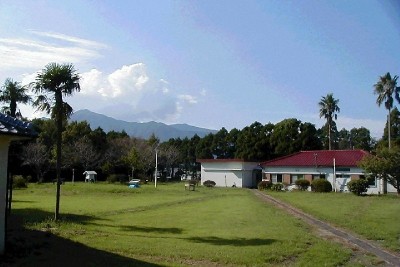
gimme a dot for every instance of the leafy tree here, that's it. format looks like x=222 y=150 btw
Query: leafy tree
x=253 y=142
x=329 y=109
x=86 y=153
x=394 y=130
x=37 y=156
x=285 y=137
x=231 y=141
x=204 y=147
x=344 y=139
x=54 y=82
x=384 y=165
x=13 y=93
x=386 y=88
x=220 y=144
x=291 y=135
x=114 y=135
x=360 y=138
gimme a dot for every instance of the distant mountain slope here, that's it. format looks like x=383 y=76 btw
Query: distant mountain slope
x=136 y=129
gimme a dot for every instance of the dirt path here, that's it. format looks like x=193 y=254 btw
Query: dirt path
x=344 y=236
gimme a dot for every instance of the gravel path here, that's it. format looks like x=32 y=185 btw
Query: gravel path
x=388 y=257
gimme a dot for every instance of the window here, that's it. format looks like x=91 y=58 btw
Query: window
x=318 y=176
x=371 y=180
x=295 y=177
x=347 y=176
x=276 y=178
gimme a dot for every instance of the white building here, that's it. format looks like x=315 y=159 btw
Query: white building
x=337 y=166
x=90 y=176
x=11 y=129
x=230 y=172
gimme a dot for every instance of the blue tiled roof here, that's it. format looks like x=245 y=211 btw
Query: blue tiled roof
x=12 y=126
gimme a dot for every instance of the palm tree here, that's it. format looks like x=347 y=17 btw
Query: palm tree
x=328 y=108
x=54 y=82
x=385 y=88
x=12 y=93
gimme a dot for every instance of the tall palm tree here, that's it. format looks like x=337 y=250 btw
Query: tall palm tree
x=328 y=108
x=54 y=82
x=385 y=88
x=12 y=93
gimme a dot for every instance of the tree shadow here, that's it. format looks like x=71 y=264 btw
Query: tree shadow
x=25 y=247
x=160 y=230
x=37 y=216
x=237 y=242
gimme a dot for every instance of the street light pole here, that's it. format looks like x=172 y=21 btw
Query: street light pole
x=155 y=175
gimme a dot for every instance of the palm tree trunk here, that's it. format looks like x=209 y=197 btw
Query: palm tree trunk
x=389 y=126
x=58 y=164
x=329 y=135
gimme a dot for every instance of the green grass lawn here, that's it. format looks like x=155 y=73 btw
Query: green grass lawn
x=374 y=217
x=174 y=227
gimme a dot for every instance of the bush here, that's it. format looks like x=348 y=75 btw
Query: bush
x=263 y=185
x=277 y=187
x=113 y=178
x=321 y=185
x=19 y=182
x=209 y=183
x=302 y=184
x=358 y=187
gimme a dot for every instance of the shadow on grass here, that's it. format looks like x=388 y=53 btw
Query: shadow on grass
x=38 y=216
x=237 y=242
x=25 y=247
x=160 y=230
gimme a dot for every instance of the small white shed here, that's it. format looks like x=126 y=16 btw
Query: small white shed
x=90 y=176
x=230 y=172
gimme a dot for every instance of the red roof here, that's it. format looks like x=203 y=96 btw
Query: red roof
x=220 y=160
x=347 y=158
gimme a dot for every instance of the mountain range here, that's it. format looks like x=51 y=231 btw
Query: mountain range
x=139 y=129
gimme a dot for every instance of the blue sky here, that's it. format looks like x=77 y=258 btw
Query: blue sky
x=210 y=63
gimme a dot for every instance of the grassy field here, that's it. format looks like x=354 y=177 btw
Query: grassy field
x=173 y=227
x=374 y=217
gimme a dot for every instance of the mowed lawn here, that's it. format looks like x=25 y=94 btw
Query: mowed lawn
x=174 y=227
x=373 y=217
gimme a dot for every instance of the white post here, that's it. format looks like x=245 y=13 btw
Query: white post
x=334 y=174
x=155 y=175
x=73 y=175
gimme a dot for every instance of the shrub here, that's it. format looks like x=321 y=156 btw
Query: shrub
x=19 y=182
x=321 y=185
x=277 y=187
x=358 y=187
x=263 y=185
x=302 y=184
x=113 y=178
x=209 y=183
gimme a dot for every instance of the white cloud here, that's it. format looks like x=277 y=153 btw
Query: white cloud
x=188 y=99
x=129 y=93
x=130 y=78
x=24 y=53
x=70 y=39
x=374 y=126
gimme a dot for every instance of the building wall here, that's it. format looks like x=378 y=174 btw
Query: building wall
x=339 y=183
x=4 y=144
x=227 y=174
